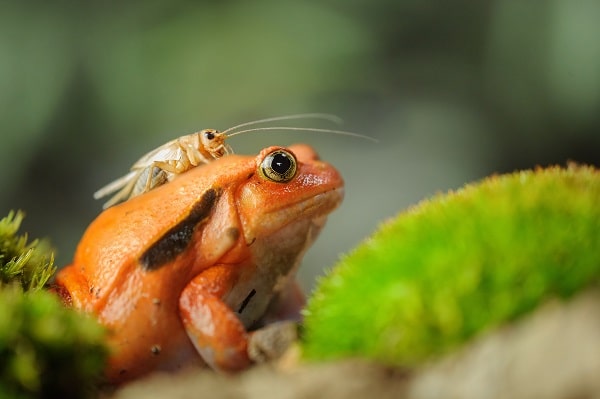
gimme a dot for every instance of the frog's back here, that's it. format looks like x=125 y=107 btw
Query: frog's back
x=111 y=251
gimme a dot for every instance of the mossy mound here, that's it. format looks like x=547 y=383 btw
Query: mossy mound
x=46 y=349
x=459 y=264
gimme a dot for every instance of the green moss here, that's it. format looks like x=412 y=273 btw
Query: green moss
x=458 y=264
x=30 y=264
x=46 y=349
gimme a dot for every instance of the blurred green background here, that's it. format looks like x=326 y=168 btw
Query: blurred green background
x=453 y=91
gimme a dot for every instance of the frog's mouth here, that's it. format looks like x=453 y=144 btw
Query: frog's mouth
x=317 y=205
x=315 y=209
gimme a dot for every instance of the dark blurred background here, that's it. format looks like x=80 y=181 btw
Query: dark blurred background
x=453 y=91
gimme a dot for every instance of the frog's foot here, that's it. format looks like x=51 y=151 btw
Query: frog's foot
x=272 y=342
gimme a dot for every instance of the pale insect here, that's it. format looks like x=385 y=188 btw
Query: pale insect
x=162 y=164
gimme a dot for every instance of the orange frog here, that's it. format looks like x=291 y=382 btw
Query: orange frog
x=181 y=274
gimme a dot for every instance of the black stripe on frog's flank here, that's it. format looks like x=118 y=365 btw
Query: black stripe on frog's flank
x=177 y=238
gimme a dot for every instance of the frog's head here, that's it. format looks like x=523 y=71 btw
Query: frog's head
x=290 y=186
x=282 y=207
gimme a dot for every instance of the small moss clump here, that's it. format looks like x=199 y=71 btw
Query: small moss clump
x=46 y=349
x=30 y=264
x=459 y=264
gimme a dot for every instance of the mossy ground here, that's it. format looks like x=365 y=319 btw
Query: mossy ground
x=459 y=264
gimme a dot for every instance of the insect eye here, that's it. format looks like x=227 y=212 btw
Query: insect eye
x=209 y=135
x=278 y=166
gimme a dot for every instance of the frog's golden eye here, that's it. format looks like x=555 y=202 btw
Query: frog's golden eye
x=278 y=166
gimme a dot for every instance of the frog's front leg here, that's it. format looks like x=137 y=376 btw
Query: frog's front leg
x=214 y=329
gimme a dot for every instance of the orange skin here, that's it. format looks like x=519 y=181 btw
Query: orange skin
x=231 y=242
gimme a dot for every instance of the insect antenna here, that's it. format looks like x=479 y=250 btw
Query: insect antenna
x=328 y=117
x=305 y=129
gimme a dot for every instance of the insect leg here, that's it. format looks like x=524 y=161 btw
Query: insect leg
x=150 y=177
x=125 y=193
x=173 y=167
x=117 y=184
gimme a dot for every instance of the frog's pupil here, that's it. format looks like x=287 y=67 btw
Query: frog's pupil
x=281 y=163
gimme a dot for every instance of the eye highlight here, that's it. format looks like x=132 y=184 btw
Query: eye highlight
x=278 y=166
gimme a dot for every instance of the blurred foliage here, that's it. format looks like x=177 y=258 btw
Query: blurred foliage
x=459 y=264
x=47 y=350
x=453 y=90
